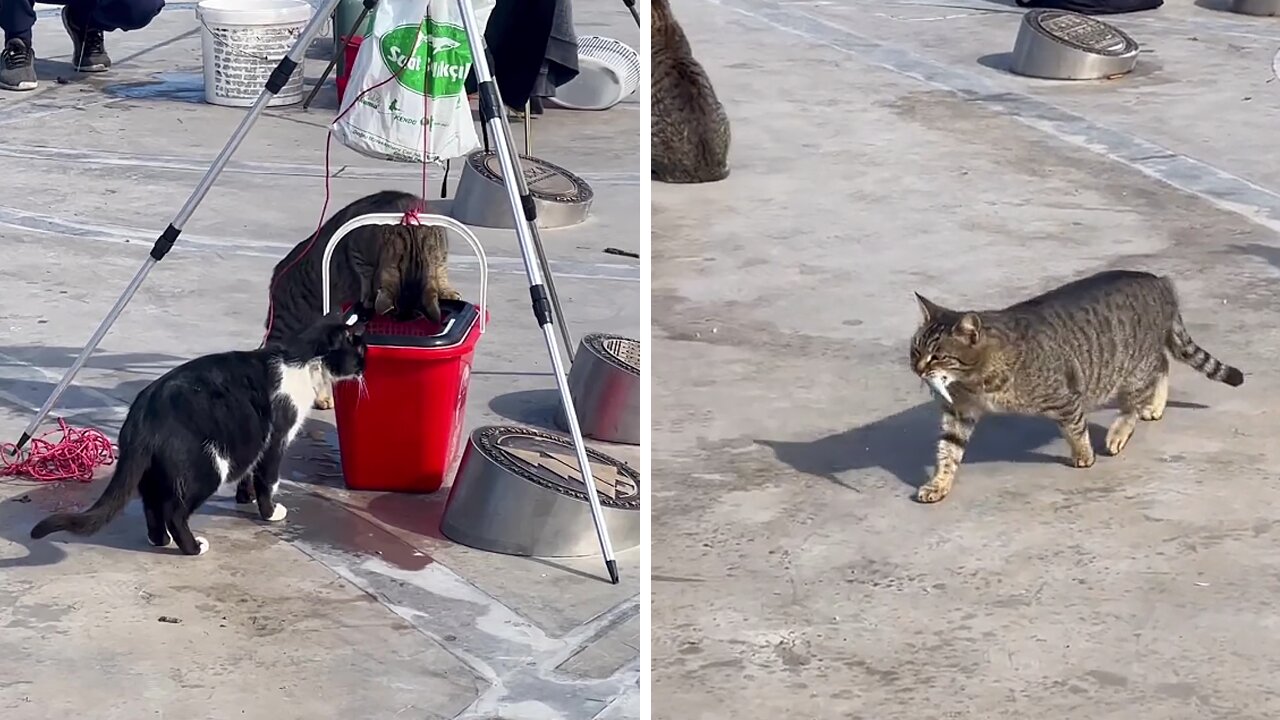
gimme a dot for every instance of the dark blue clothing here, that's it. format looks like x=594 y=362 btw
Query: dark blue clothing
x=18 y=16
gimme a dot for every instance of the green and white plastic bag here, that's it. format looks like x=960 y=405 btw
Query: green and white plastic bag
x=426 y=38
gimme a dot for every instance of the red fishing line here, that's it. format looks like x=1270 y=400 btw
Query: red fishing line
x=324 y=208
x=75 y=456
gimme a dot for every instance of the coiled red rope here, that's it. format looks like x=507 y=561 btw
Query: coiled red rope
x=75 y=456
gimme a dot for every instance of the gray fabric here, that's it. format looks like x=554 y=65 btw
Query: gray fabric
x=561 y=64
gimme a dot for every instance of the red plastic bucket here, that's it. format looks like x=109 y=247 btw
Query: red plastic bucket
x=403 y=431
x=349 y=52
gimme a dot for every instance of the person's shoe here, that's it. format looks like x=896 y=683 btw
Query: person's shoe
x=18 y=66
x=88 y=47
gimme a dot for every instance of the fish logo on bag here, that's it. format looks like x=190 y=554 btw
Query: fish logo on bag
x=434 y=54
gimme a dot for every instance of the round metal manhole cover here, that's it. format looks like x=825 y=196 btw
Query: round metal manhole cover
x=1081 y=32
x=551 y=462
x=621 y=352
x=547 y=181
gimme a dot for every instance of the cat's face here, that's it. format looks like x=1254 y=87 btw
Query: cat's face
x=340 y=346
x=948 y=347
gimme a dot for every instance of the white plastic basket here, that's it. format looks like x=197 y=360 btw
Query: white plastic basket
x=242 y=42
x=609 y=71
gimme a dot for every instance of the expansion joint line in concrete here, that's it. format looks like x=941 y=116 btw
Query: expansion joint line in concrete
x=518 y=667
x=83 y=156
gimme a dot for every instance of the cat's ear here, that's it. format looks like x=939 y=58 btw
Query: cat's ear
x=929 y=310
x=382 y=303
x=969 y=328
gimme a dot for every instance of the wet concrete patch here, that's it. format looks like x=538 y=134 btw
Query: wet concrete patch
x=187 y=87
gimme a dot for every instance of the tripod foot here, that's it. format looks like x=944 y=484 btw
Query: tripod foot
x=613 y=570
x=22 y=441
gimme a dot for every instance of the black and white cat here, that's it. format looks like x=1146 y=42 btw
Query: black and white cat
x=213 y=420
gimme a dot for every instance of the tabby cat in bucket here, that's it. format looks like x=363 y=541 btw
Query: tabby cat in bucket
x=690 y=129
x=396 y=270
x=1060 y=355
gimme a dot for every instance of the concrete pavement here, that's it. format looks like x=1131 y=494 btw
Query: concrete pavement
x=879 y=149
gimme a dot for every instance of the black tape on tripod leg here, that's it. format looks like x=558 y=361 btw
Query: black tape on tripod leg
x=489 y=101
x=165 y=242
x=541 y=304
x=280 y=76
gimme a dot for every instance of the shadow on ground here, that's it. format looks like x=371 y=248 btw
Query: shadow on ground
x=904 y=445
x=1268 y=253
x=1002 y=61
x=1215 y=5
x=31 y=373
x=535 y=408
x=18 y=514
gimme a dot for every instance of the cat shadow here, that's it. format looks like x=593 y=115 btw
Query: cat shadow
x=904 y=445
x=18 y=514
x=21 y=512
x=314 y=459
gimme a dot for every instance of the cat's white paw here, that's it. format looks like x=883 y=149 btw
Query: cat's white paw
x=280 y=513
x=159 y=544
x=202 y=544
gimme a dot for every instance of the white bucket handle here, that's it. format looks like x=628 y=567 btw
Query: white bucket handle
x=397 y=219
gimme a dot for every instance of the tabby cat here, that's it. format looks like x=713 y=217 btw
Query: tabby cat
x=1060 y=355
x=690 y=129
x=213 y=420
x=399 y=270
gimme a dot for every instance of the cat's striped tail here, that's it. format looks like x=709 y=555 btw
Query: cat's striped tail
x=1187 y=351
x=124 y=483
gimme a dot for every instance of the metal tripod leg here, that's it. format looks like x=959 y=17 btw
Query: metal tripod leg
x=525 y=214
x=165 y=242
x=339 y=53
